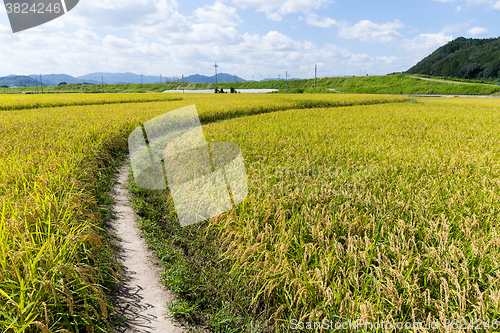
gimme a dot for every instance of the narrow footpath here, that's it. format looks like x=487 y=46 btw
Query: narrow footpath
x=142 y=299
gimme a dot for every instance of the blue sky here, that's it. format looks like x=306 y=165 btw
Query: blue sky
x=258 y=38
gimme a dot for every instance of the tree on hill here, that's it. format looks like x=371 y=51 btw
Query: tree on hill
x=466 y=58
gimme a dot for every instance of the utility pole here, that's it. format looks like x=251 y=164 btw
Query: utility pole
x=102 y=83
x=315 y=72
x=141 y=79
x=41 y=83
x=36 y=81
x=216 y=66
x=286 y=82
x=183 y=83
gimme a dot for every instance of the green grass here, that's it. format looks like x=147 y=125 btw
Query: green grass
x=383 y=212
x=384 y=84
x=490 y=81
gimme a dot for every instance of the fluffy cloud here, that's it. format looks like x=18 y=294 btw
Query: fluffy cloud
x=152 y=37
x=218 y=13
x=424 y=44
x=326 y=22
x=454 y=27
x=276 y=9
x=387 y=34
x=478 y=31
x=272 y=53
x=489 y=4
x=367 y=31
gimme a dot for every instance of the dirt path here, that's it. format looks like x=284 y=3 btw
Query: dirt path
x=142 y=299
x=445 y=81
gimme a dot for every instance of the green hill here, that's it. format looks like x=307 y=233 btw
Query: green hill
x=465 y=58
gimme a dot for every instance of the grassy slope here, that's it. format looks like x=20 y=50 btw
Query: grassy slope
x=384 y=212
x=388 y=84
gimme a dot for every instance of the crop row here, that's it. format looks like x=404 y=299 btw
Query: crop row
x=391 y=216
x=55 y=263
x=34 y=101
x=385 y=213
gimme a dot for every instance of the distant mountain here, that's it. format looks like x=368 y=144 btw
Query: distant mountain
x=197 y=78
x=58 y=78
x=221 y=77
x=21 y=81
x=465 y=58
x=125 y=78
x=109 y=78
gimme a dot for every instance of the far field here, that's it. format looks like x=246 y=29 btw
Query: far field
x=387 y=84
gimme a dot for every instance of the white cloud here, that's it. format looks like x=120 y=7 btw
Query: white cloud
x=123 y=36
x=147 y=16
x=454 y=27
x=489 y=4
x=218 y=13
x=387 y=33
x=84 y=51
x=424 y=44
x=367 y=31
x=276 y=9
x=326 y=22
x=477 y=31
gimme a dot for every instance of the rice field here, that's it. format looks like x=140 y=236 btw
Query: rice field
x=57 y=154
x=383 y=213
x=32 y=101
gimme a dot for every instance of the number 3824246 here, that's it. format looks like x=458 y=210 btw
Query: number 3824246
x=35 y=8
